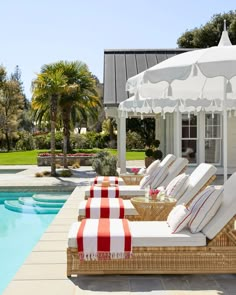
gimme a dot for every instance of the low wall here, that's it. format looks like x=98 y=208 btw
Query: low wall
x=82 y=160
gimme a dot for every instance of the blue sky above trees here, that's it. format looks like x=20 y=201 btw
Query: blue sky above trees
x=38 y=32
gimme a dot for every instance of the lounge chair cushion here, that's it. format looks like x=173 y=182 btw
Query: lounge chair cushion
x=151 y=234
x=204 y=206
x=175 y=169
x=178 y=218
x=152 y=167
x=158 y=176
x=226 y=211
x=145 y=181
x=177 y=186
x=198 y=178
x=129 y=208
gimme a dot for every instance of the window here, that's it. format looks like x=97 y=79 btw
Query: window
x=213 y=138
x=189 y=137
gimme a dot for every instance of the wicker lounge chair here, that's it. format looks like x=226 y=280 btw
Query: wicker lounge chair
x=128 y=191
x=157 y=251
x=201 y=177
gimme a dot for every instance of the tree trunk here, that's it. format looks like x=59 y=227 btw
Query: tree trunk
x=8 y=142
x=53 y=111
x=66 y=133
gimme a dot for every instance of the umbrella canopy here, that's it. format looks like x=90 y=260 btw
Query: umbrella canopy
x=206 y=76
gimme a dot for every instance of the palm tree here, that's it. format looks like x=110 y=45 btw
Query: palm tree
x=47 y=90
x=78 y=97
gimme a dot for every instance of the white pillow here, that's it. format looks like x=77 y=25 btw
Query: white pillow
x=177 y=186
x=204 y=207
x=152 y=167
x=145 y=181
x=178 y=218
x=158 y=176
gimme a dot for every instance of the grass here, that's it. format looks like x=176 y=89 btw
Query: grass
x=30 y=157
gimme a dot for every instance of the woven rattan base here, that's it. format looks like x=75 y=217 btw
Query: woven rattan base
x=159 y=261
x=219 y=256
x=132 y=179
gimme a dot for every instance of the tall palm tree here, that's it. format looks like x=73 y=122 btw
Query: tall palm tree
x=77 y=99
x=47 y=89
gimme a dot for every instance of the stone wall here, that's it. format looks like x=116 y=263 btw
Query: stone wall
x=82 y=160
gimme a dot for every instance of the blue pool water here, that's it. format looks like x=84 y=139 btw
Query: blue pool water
x=18 y=235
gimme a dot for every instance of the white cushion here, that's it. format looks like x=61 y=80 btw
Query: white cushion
x=158 y=176
x=151 y=234
x=129 y=208
x=177 y=186
x=226 y=211
x=145 y=181
x=152 y=167
x=178 y=218
x=204 y=207
x=168 y=160
x=175 y=169
x=197 y=179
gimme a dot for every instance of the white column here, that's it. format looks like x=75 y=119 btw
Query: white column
x=177 y=132
x=118 y=141
x=201 y=138
x=225 y=135
x=122 y=145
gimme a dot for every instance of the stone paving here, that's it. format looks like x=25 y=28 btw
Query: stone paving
x=44 y=271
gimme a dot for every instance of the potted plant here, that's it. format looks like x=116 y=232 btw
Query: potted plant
x=149 y=157
x=157 y=154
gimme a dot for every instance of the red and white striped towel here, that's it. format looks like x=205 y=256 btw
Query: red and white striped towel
x=104 y=191
x=101 y=179
x=104 y=208
x=103 y=239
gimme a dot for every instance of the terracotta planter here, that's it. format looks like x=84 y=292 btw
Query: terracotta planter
x=148 y=161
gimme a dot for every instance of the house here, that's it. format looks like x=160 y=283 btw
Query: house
x=196 y=136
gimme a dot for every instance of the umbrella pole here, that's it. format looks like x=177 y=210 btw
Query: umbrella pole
x=225 y=135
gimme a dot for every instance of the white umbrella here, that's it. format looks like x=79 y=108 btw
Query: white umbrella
x=206 y=74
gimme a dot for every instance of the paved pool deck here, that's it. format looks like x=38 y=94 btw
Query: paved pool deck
x=44 y=271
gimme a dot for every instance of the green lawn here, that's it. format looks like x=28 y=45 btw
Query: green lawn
x=30 y=157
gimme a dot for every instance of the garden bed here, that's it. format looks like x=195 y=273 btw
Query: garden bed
x=81 y=159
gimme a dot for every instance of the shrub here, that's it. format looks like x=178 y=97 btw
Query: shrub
x=156 y=143
x=149 y=153
x=134 y=140
x=65 y=173
x=105 y=164
x=157 y=155
x=41 y=141
x=76 y=165
x=25 y=141
x=46 y=173
x=38 y=174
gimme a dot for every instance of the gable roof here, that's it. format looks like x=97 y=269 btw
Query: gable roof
x=121 y=64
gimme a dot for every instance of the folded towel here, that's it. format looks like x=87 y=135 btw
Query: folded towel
x=104 y=239
x=101 y=179
x=104 y=208
x=104 y=191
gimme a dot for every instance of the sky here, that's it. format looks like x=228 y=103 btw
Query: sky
x=38 y=32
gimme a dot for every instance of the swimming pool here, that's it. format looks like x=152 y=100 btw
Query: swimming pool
x=18 y=235
x=10 y=171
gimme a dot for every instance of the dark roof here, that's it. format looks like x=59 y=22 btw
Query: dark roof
x=121 y=64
